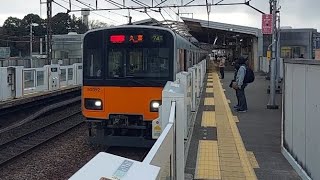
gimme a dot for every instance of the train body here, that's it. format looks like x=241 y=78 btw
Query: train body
x=125 y=69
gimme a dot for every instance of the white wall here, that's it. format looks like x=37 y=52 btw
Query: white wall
x=301 y=121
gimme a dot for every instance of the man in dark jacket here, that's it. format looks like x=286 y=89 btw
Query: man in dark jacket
x=239 y=85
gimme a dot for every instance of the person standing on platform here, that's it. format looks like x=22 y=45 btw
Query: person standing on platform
x=239 y=85
x=221 y=66
x=236 y=68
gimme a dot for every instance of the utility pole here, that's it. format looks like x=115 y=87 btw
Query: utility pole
x=278 y=88
x=208 y=11
x=31 y=40
x=31 y=63
x=49 y=31
x=272 y=99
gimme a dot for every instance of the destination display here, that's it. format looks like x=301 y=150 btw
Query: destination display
x=135 y=38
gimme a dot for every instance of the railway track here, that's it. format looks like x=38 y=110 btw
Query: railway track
x=24 y=142
x=11 y=115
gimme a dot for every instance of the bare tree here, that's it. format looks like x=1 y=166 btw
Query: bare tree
x=94 y=24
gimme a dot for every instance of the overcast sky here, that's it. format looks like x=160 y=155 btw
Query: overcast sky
x=295 y=13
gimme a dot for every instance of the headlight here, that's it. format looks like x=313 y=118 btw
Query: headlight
x=98 y=103
x=93 y=104
x=154 y=105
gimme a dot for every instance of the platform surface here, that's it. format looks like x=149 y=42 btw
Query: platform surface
x=229 y=145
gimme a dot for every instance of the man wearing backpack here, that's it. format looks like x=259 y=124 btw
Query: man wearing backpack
x=244 y=76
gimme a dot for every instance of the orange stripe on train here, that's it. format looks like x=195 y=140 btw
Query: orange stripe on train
x=122 y=100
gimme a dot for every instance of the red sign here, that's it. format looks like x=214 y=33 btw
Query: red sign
x=117 y=38
x=267 y=24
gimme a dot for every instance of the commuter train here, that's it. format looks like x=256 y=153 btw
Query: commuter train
x=125 y=69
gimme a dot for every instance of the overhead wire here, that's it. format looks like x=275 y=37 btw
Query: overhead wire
x=60 y=5
x=165 y=19
x=166 y=11
x=91 y=12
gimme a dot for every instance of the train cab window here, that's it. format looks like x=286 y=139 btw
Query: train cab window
x=135 y=64
x=138 y=63
x=93 y=65
x=115 y=63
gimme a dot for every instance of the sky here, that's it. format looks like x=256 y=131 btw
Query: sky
x=294 y=13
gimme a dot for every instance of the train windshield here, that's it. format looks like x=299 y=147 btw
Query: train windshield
x=139 y=54
x=138 y=62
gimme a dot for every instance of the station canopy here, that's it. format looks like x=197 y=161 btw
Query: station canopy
x=207 y=33
x=217 y=34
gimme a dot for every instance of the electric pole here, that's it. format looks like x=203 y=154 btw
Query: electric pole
x=272 y=99
x=278 y=89
x=49 y=31
x=31 y=63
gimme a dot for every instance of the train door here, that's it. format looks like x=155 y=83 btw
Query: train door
x=181 y=60
x=185 y=60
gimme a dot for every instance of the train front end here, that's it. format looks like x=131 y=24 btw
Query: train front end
x=125 y=70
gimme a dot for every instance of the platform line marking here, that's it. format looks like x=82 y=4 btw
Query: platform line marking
x=208 y=119
x=207 y=165
x=253 y=160
x=247 y=168
x=236 y=119
x=209 y=90
x=209 y=101
x=209 y=83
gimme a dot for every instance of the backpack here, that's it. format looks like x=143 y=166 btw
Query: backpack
x=249 y=77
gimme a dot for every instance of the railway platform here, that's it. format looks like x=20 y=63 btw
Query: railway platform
x=28 y=98
x=229 y=145
x=215 y=142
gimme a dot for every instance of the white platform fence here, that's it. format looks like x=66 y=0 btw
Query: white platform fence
x=166 y=159
x=16 y=81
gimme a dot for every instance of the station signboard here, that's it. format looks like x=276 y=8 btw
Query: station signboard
x=267 y=24
x=268 y=55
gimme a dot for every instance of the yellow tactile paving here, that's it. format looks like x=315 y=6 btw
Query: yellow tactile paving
x=234 y=161
x=236 y=119
x=209 y=101
x=209 y=84
x=208 y=165
x=208 y=119
x=209 y=90
x=253 y=160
